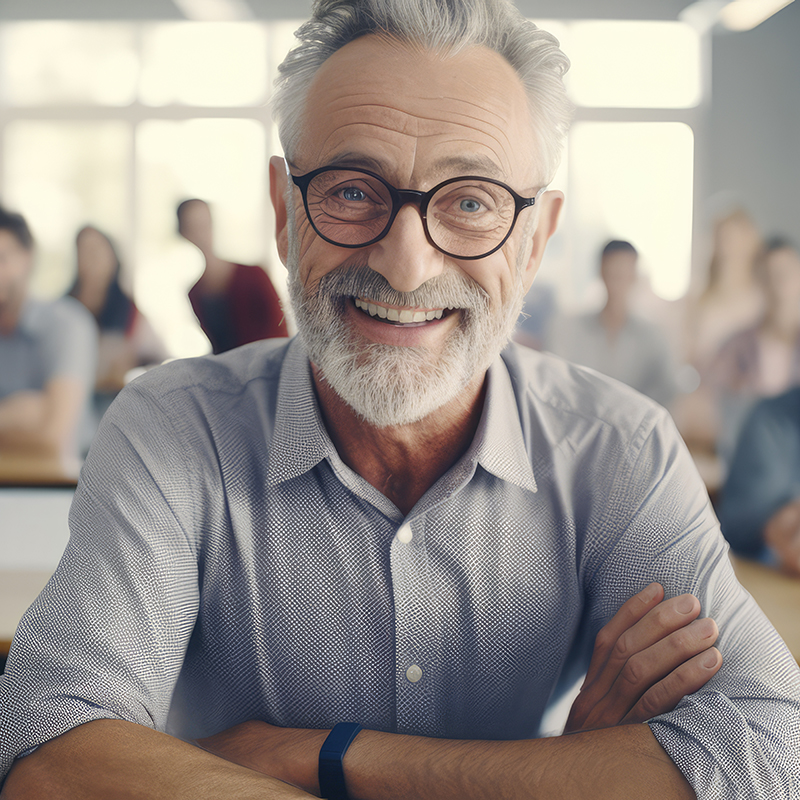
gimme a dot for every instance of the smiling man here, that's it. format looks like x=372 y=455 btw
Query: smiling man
x=365 y=563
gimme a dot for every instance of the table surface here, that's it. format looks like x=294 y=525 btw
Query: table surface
x=779 y=598
x=23 y=469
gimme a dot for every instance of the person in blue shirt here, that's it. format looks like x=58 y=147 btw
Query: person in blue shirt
x=759 y=506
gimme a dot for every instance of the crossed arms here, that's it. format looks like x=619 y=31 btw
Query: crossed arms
x=652 y=653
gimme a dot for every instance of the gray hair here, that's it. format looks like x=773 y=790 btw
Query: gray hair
x=440 y=25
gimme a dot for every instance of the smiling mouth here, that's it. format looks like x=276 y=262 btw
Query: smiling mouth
x=399 y=316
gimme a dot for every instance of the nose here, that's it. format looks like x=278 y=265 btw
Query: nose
x=404 y=256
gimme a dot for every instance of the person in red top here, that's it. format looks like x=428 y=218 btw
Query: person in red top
x=234 y=303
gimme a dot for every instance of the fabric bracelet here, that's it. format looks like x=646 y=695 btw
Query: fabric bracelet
x=331 y=756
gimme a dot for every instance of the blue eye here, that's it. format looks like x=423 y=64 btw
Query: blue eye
x=354 y=195
x=470 y=206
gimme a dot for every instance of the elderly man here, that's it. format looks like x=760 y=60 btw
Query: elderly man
x=387 y=523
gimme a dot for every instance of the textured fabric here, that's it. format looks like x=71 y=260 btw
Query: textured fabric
x=639 y=356
x=764 y=474
x=248 y=310
x=225 y=564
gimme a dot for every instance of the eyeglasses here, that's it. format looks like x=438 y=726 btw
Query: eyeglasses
x=467 y=217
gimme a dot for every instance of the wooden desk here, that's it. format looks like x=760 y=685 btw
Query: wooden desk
x=23 y=469
x=779 y=598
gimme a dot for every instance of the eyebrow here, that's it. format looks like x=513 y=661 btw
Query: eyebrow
x=454 y=166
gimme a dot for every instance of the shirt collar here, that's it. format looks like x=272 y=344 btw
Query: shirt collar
x=499 y=445
x=300 y=440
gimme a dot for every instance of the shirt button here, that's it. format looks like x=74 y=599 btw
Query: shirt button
x=405 y=535
x=413 y=673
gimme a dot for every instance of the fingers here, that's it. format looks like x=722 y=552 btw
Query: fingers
x=687 y=678
x=646 y=658
x=645 y=669
x=628 y=615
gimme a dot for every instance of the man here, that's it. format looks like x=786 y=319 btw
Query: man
x=234 y=303
x=370 y=526
x=759 y=507
x=47 y=359
x=615 y=341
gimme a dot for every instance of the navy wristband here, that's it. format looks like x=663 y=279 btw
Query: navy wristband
x=331 y=756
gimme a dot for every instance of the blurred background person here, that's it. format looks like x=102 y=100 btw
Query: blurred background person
x=234 y=303
x=732 y=299
x=759 y=506
x=48 y=353
x=614 y=340
x=126 y=338
x=763 y=359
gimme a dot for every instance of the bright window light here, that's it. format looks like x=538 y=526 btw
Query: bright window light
x=68 y=63
x=633 y=180
x=627 y=64
x=204 y=64
x=61 y=176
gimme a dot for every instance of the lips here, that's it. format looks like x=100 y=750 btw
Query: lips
x=399 y=316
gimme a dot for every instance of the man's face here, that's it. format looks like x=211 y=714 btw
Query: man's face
x=15 y=263
x=619 y=273
x=195 y=224
x=416 y=119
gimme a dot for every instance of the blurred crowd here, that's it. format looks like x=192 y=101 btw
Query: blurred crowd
x=727 y=368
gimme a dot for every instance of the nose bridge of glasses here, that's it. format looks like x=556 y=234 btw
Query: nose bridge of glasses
x=403 y=197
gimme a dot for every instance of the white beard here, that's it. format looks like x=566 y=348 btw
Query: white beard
x=388 y=385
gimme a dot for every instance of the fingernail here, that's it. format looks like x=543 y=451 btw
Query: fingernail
x=706 y=627
x=651 y=592
x=686 y=604
x=710 y=659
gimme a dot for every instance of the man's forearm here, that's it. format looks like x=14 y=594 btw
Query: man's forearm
x=618 y=762
x=111 y=760
x=622 y=762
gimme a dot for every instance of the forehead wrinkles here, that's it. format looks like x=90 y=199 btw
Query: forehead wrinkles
x=462 y=127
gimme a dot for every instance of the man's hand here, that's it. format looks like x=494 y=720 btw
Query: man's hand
x=782 y=534
x=651 y=654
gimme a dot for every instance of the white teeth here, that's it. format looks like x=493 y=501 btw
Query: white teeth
x=402 y=316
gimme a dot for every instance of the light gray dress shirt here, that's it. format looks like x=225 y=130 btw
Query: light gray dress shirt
x=225 y=564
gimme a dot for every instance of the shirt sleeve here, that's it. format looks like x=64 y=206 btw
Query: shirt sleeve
x=763 y=476
x=107 y=636
x=68 y=343
x=739 y=736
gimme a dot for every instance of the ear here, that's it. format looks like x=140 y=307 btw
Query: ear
x=550 y=205
x=277 y=193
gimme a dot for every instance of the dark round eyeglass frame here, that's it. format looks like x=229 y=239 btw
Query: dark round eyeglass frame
x=401 y=197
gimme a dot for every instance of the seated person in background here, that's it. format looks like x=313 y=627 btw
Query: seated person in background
x=48 y=353
x=614 y=340
x=759 y=507
x=762 y=360
x=395 y=521
x=127 y=340
x=234 y=303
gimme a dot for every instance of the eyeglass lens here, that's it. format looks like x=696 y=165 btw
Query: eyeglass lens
x=465 y=218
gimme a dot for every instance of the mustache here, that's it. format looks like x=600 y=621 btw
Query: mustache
x=451 y=289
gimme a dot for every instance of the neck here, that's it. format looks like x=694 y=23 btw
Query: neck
x=402 y=462
x=217 y=272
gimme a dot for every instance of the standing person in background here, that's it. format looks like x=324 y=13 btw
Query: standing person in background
x=127 y=340
x=48 y=353
x=234 y=303
x=614 y=340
